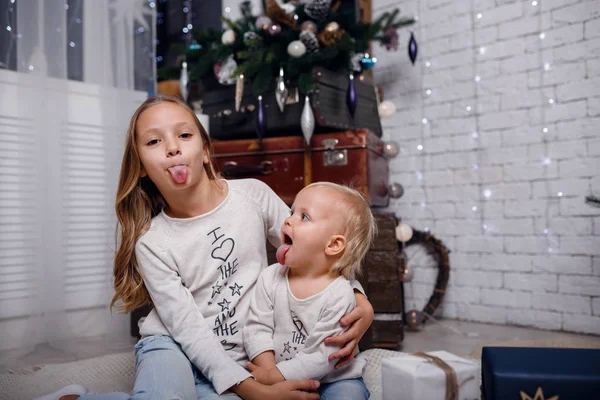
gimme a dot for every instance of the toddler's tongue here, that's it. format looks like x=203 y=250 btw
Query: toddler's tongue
x=179 y=173
x=281 y=251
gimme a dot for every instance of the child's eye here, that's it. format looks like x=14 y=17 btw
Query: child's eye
x=152 y=142
x=186 y=135
x=305 y=217
x=291 y=212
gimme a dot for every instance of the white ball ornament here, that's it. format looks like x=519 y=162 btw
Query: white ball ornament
x=404 y=233
x=288 y=8
x=262 y=22
x=296 y=49
x=228 y=37
x=386 y=109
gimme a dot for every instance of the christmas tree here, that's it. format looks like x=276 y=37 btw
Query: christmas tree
x=290 y=38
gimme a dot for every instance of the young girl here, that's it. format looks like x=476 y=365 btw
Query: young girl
x=194 y=247
x=298 y=302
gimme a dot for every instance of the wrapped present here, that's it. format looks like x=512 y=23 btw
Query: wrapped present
x=437 y=375
x=525 y=373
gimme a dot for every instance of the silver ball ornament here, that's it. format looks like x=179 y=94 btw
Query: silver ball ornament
x=263 y=22
x=395 y=190
x=391 y=149
x=274 y=29
x=414 y=319
x=309 y=26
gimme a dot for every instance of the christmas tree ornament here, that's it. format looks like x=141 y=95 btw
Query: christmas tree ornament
x=332 y=26
x=309 y=26
x=307 y=120
x=355 y=59
x=351 y=96
x=261 y=122
x=391 y=149
x=368 y=62
x=281 y=92
x=274 y=29
x=296 y=49
x=216 y=69
x=318 y=9
x=288 y=8
x=184 y=81
x=310 y=41
x=278 y=14
x=414 y=319
x=412 y=48
x=225 y=74
x=262 y=23
x=386 y=109
x=403 y=232
x=228 y=37
x=252 y=40
x=391 y=38
x=239 y=92
x=395 y=190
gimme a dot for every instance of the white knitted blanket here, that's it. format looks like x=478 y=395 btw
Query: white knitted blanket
x=115 y=373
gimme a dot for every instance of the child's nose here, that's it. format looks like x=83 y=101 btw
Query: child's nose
x=173 y=151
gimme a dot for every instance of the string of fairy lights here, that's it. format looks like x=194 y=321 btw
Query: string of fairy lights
x=484 y=192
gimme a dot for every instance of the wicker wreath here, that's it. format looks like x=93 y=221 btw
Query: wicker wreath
x=439 y=252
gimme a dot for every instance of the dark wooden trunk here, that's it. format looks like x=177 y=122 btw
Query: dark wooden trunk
x=381 y=281
x=352 y=158
x=328 y=101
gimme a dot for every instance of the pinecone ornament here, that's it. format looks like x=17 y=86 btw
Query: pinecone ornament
x=310 y=41
x=318 y=9
x=249 y=37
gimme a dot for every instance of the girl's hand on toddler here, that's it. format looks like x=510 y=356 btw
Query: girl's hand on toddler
x=265 y=376
x=259 y=373
x=293 y=390
x=359 y=320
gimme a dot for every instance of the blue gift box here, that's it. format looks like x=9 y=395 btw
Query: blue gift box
x=524 y=373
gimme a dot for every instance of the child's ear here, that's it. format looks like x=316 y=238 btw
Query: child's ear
x=336 y=245
x=206 y=158
x=143 y=173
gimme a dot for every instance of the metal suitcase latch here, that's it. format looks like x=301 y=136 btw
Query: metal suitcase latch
x=331 y=156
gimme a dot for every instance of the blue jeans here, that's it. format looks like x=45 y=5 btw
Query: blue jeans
x=347 y=389
x=163 y=372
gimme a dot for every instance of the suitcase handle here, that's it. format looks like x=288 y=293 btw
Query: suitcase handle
x=231 y=169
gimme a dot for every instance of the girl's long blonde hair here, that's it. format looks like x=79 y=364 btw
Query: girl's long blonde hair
x=138 y=201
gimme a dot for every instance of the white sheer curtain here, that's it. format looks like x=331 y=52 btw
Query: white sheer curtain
x=61 y=143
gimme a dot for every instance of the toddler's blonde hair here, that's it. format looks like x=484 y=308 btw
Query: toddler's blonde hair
x=360 y=230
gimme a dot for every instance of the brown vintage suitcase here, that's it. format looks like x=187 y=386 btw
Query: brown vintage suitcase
x=351 y=158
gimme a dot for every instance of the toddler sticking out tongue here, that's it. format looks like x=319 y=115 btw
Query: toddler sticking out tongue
x=179 y=173
x=281 y=251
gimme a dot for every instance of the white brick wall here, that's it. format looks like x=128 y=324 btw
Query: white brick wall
x=515 y=272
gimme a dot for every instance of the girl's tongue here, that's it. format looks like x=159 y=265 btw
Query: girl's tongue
x=179 y=173
x=281 y=252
